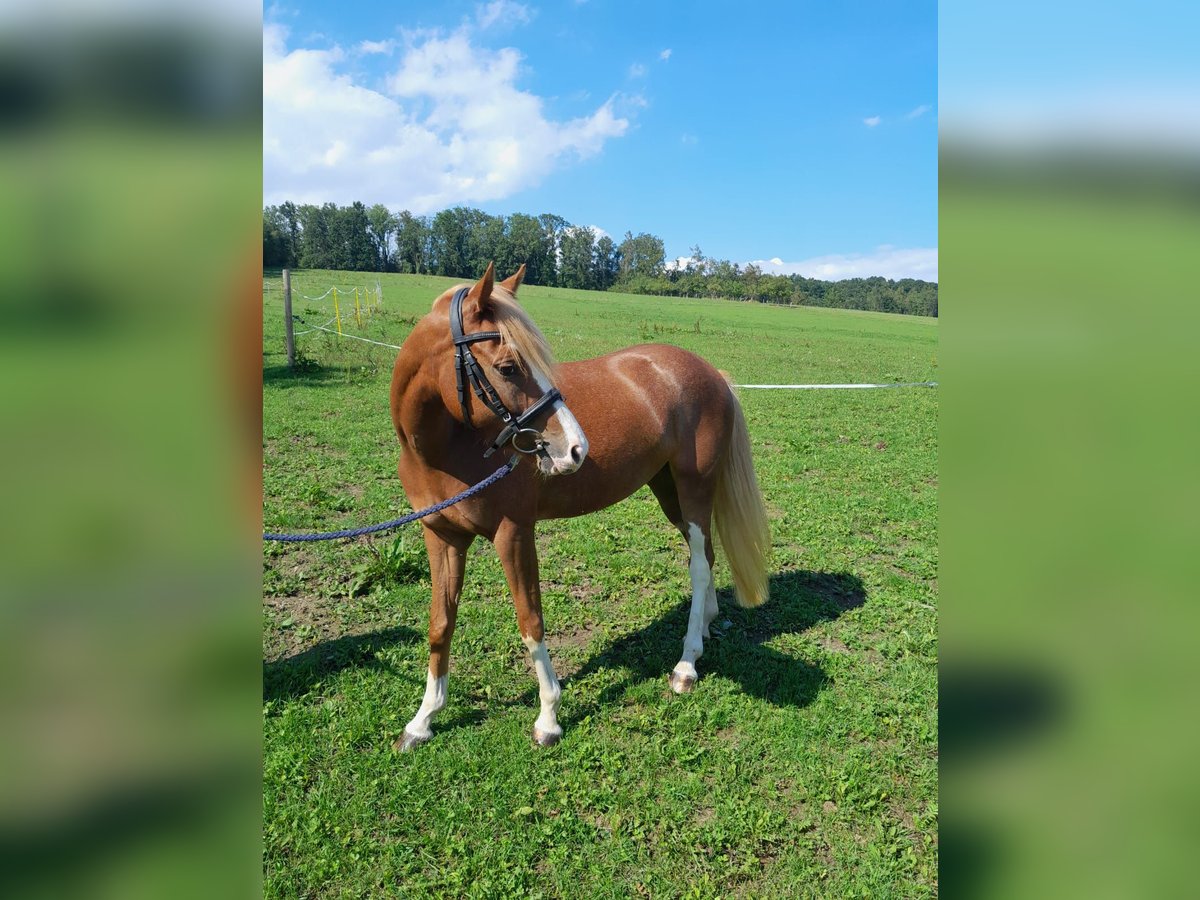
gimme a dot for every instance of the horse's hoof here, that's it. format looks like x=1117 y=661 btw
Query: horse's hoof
x=681 y=684
x=546 y=738
x=408 y=741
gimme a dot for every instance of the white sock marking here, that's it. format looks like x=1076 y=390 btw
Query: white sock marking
x=435 y=699
x=710 y=606
x=548 y=690
x=701 y=575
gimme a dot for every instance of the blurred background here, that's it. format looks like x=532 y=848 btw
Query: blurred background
x=130 y=192
x=1069 y=220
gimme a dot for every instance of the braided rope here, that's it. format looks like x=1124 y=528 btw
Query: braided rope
x=403 y=520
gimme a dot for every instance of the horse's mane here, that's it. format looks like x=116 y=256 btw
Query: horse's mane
x=518 y=332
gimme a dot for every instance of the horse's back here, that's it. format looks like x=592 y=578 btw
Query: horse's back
x=641 y=408
x=651 y=386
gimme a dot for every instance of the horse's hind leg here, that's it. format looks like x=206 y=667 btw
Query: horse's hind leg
x=691 y=510
x=663 y=486
x=447 y=563
x=518 y=554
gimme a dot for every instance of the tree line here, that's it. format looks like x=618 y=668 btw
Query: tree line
x=460 y=242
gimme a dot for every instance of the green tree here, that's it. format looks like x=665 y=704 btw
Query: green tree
x=287 y=218
x=412 y=242
x=275 y=249
x=606 y=264
x=641 y=257
x=381 y=226
x=776 y=289
x=529 y=243
x=486 y=241
x=353 y=249
x=316 y=240
x=575 y=265
x=449 y=243
x=553 y=226
x=751 y=277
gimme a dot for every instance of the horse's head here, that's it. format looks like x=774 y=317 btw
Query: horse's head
x=517 y=364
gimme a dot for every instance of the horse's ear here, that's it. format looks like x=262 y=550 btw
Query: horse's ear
x=482 y=292
x=512 y=282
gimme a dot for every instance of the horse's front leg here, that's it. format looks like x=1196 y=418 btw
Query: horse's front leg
x=518 y=554
x=447 y=563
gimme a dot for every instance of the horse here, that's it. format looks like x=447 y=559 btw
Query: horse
x=651 y=414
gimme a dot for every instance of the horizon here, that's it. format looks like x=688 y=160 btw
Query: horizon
x=808 y=147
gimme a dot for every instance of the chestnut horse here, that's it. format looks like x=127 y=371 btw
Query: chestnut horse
x=476 y=375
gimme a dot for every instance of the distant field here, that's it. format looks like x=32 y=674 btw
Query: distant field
x=805 y=763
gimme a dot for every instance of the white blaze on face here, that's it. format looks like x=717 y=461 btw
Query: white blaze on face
x=572 y=451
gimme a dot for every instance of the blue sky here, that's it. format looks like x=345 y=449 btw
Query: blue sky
x=804 y=133
x=1027 y=75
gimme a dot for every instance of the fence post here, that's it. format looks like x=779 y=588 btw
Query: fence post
x=287 y=318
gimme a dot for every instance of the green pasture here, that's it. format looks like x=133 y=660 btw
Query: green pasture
x=805 y=763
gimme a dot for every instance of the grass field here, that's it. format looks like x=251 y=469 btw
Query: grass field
x=805 y=763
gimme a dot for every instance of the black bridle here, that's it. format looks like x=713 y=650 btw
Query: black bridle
x=515 y=427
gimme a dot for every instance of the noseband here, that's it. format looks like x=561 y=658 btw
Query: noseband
x=516 y=428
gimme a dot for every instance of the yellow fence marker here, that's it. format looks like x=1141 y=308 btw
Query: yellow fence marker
x=357 y=309
x=337 y=315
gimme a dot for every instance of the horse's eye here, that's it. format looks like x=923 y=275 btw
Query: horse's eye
x=508 y=370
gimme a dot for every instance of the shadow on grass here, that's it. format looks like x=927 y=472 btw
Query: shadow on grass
x=294 y=676
x=310 y=375
x=798 y=601
x=114 y=826
x=738 y=650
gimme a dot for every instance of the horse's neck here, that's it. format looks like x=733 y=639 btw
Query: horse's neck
x=418 y=411
x=428 y=429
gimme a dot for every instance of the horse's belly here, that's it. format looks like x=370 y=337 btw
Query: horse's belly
x=593 y=487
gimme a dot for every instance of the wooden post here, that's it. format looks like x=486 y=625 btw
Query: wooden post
x=336 y=313
x=287 y=318
x=357 y=310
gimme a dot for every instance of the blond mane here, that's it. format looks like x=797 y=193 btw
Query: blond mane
x=520 y=334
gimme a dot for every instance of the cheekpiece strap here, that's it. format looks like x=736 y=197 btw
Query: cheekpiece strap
x=467 y=369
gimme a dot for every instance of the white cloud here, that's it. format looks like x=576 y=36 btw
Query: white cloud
x=452 y=128
x=688 y=139
x=919 y=111
x=886 y=261
x=1136 y=116
x=505 y=11
x=872 y=121
x=637 y=70
x=596 y=230
x=665 y=55
x=373 y=47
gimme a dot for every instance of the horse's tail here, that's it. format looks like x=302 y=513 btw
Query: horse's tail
x=741 y=517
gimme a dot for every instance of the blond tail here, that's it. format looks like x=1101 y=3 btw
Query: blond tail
x=741 y=518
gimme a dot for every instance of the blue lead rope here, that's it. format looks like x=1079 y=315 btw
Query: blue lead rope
x=403 y=520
